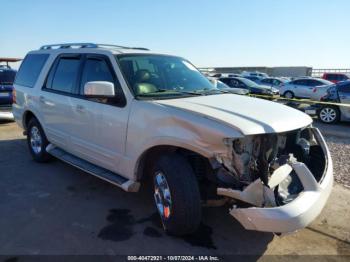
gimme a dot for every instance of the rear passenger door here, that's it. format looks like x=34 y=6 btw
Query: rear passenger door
x=55 y=99
x=299 y=87
x=99 y=128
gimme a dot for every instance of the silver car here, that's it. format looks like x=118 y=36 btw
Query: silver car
x=302 y=87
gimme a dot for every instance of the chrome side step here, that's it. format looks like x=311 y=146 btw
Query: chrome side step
x=113 y=178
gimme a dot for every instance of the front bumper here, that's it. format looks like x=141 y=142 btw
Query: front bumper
x=298 y=213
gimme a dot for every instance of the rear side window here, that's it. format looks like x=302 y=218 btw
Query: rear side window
x=65 y=74
x=30 y=69
x=301 y=82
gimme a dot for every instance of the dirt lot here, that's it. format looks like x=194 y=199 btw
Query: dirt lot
x=56 y=209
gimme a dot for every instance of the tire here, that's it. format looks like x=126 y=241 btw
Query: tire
x=182 y=214
x=288 y=94
x=329 y=115
x=37 y=141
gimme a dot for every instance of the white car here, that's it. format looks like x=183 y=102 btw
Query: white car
x=303 y=87
x=126 y=115
x=255 y=74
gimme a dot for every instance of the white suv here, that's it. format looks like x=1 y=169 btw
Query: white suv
x=127 y=115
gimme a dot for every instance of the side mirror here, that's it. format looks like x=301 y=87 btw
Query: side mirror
x=99 y=89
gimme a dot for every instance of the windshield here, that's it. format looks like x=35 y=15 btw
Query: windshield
x=7 y=77
x=161 y=75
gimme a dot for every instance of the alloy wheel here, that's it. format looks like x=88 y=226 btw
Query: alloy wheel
x=35 y=140
x=328 y=114
x=162 y=196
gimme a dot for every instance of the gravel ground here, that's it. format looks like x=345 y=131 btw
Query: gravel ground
x=340 y=150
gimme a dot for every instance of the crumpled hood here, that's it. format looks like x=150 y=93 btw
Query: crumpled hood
x=246 y=114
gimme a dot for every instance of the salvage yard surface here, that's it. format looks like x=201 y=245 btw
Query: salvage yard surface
x=54 y=208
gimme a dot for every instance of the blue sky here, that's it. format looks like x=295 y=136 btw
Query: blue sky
x=209 y=33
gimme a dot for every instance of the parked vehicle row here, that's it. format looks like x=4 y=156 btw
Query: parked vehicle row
x=317 y=89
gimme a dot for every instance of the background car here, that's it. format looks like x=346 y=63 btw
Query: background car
x=222 y=86
x=257 y=74
x=273 y=81
x=7 y=76
x=339 y=93
x=302 y=87
x=254 y=88
x=335 y=77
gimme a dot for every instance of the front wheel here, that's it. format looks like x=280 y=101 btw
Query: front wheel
x=329 y=115
x=37 y=141
x=176 y=194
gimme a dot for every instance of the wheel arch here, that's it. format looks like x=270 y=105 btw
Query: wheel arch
x=27 y=115
x=151 y=154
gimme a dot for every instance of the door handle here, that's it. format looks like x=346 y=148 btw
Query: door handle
x=80 y=108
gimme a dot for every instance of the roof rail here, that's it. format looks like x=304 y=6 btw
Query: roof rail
x=68 y=45
x=88 y=45
x=122 y=47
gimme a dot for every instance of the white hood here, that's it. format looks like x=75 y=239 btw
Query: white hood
x=246 y=114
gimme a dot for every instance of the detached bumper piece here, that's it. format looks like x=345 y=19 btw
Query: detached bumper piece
x=292 y=216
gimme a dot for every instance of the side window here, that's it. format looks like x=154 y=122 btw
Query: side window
x=64 y=78
x=330 y=77
x=276 y=82
x=234 y=83
x=312 y=83
x=96 y=69
x=30 y=69
x=225 y=80
x=296 y=82
x=316 y=83
x=342 y=77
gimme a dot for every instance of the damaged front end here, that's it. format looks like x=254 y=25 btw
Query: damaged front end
x=284 y=178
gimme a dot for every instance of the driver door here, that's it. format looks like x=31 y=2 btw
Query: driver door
x=100 y=123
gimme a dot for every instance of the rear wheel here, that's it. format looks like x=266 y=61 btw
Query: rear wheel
x=329 y=114
x=37 y=141
x=288 y=94
x=176 y=194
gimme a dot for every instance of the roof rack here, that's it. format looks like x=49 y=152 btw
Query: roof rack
x=88 y=45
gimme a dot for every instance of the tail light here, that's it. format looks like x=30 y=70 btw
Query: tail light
x=13 y=96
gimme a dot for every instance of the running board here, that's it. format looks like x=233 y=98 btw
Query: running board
x=113 y=178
